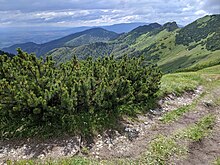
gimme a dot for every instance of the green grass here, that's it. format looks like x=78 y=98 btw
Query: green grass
x=178 y=83
x=69 y=161
x=76 y=161
x=161 y=149
x=199 y=130
x=175 y=114
x=145 y=40
x=211 y=70
x=217 y=161
x=211 y=59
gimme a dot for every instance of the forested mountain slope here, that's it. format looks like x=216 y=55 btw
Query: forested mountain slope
x=117 y=47
x=195 y=46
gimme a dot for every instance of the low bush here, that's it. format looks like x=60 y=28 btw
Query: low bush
x=77 y=96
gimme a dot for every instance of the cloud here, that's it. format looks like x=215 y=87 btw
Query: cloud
x=102 y=12
x=40 y=5
x=212 y=6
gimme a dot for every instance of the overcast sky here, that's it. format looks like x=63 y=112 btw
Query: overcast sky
x=73 y=13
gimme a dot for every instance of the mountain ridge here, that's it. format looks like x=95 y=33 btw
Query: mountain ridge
x=18 y=35
x=163 y=45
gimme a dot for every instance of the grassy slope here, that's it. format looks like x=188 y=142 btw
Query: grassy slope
x=172 y=56
x=179 y=82
x=117 y=47
x=86 y=39
x=181 y=57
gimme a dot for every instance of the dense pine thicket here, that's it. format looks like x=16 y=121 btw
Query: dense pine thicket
x=76 y=96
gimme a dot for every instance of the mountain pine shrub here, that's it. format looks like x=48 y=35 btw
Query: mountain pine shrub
x=76 y=96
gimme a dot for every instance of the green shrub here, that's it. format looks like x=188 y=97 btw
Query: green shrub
x=75 y=96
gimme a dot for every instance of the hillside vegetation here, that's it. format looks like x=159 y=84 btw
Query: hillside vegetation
x=194 y=47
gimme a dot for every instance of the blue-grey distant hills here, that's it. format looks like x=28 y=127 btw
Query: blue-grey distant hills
x=18 y=35
x=77 y=39
x=123 y=27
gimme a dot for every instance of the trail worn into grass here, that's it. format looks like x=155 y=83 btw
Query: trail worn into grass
x=138 y=134
x=207 y=150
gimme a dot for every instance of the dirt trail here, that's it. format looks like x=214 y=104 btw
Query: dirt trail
x=138 y=134
x=207 y=150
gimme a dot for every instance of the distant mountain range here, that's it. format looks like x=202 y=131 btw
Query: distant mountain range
x=18 y=35
x=73 y=40
x=123 y=27
x=194 y=46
